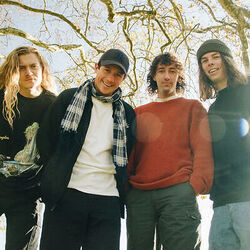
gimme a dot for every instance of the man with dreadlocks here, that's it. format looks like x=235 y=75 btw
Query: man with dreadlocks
x=25 y=82
x=84 y=142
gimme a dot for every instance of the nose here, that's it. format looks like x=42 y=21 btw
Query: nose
x=166 y=75
x=111 y=78
x=210 y=61
x=28 y=71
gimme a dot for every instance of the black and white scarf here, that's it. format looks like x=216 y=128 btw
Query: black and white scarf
x=74 y=113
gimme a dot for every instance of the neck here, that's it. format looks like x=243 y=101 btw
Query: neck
x=31 y=93
x=164 y=95
x=221 y=84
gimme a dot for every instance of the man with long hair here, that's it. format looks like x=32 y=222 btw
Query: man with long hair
x=170 y=164
x=229 y=118
x=84 y=148
x=25 y=84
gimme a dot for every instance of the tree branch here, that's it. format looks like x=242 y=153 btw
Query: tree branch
x=111 y=10
x=212 y=13
x=50 y=47
x=112 y=13
x=236 y=13
x=62 y=17
x=124 y=29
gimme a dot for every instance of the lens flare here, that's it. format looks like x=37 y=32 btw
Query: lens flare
x=243 y=127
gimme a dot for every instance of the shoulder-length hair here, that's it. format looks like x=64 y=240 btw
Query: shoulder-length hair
x=165 y=59
x=234 y=78
x=9 y=79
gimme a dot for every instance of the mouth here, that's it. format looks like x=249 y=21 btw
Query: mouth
x=211 y=71
x=166 y=84
x=107 y=84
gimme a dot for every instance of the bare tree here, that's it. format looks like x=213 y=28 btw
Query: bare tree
x=81 y=30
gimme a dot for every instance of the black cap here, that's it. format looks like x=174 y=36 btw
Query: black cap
x=212 y=45
x=115 y=57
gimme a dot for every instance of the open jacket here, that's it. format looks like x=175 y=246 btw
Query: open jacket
x=59 y=150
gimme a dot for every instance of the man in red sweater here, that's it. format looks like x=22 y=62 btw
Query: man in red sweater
x=171 y=163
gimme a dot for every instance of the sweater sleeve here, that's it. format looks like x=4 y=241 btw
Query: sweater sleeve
x=200 y=142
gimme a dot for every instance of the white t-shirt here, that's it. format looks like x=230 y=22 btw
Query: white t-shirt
x=94 y=169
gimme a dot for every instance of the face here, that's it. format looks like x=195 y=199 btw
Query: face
x=30 y=71
x=166 y=77
x=108 y=79
x=214 y=68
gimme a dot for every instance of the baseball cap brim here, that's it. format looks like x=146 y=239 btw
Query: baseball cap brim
x=112 y=62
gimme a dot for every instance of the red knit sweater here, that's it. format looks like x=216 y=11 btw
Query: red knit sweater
x=173 y=146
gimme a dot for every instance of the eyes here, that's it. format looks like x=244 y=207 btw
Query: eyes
x=32 y=66
x=117 y=74
x=204 y=60
x=213 y=57
x=163 y=70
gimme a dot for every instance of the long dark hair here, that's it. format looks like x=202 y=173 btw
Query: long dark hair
x=234 y=78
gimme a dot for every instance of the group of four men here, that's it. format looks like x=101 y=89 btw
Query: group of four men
x=98 y=154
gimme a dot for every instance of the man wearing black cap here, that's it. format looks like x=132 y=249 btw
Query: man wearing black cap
x=84 y=144
x=229 y=118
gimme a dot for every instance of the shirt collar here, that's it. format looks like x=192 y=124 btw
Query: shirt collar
x=166 y=99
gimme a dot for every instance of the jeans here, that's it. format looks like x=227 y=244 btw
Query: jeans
x=172 y=212
x=230 y=227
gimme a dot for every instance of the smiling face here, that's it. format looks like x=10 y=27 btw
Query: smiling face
x=108 y=79
x=30 y=71
x=166 y=77
x=214 y=68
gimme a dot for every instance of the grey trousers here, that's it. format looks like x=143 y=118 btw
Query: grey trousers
x=171 y=212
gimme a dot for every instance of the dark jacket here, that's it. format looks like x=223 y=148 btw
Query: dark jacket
x=229 y=118
x=59 y=150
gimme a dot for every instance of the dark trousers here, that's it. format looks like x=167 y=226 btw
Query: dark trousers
x=82 y=220
x=22 y=212
x=172 y=212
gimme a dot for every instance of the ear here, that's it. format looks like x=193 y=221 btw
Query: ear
x=96 y=67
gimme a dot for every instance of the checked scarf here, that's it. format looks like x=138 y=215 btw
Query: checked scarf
x=74 y=113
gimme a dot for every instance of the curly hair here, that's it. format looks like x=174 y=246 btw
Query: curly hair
x=9 y=79
x=165 y=59
x=234 y=78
